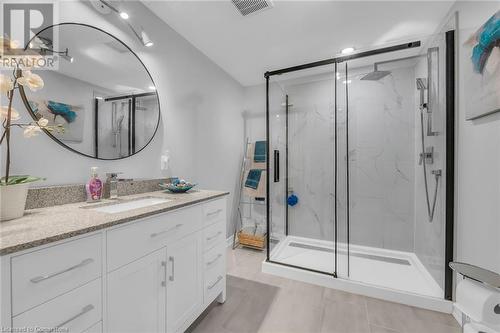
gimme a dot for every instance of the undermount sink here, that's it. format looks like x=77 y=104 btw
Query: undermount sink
x=123 y=206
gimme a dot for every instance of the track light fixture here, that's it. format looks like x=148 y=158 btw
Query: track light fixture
x=63 y=54
x=145 y=39
x=142 y=36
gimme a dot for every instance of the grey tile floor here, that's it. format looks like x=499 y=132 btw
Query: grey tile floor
x=263 y=303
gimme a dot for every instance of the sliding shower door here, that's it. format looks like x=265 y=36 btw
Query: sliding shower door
x=276 y=177
x=394 y=191
x=302 y=188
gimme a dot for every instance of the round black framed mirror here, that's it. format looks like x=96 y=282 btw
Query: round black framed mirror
x=97 y=89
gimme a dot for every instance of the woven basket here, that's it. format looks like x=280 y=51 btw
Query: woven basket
x=256 y=242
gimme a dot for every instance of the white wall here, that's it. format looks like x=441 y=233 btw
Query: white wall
x=201 y=109
x=477 y=229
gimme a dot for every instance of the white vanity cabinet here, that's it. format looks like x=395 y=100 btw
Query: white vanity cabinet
x=155 y=274
x=136 y=295
x=184 y=281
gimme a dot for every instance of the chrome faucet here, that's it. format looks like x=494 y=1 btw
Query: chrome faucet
x=112 y=182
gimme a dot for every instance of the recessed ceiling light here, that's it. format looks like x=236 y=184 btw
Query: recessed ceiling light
x=152 y=88
x=347 y=50
x=124 y=15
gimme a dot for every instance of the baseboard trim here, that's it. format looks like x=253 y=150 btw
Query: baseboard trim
x=229 y=241
x=457 y=314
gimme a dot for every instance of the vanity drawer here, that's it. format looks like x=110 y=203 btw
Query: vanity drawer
x=74 y=312
x=44 y=274
x=133 y=241
x=214 y=235
x=214 y=284
x=214 y=211
x=214 y=261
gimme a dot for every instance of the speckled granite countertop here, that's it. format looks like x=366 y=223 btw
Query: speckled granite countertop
x=50 y=224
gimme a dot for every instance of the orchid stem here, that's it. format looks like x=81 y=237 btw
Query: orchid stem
x=7 y=136
x=3 y=137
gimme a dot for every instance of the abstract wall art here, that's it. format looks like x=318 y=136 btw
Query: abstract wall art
x=482 y=70
x=69 y=116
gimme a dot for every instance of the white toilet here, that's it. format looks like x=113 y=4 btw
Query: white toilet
x=479 y=305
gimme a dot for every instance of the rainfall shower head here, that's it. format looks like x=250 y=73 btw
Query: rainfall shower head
x=375 y=75
x=421 y=84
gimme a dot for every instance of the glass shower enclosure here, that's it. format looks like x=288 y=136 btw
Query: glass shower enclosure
x=361 y=151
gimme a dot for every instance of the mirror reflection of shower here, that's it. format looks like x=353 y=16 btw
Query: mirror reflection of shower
x=117 y=124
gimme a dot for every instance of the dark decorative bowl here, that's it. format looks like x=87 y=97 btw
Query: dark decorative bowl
x=177 y=188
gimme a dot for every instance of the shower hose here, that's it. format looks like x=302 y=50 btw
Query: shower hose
x=430 y=209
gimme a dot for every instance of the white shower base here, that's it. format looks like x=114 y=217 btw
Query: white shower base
x=392 y=275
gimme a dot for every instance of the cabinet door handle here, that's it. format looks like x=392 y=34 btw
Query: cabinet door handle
x=172 y=260
x=215 y=283
x=85 y=309
x=164 y=265
x=214 y=236
x=210 y=263
x=215 y=212
x=48 y=276
x=155 y=234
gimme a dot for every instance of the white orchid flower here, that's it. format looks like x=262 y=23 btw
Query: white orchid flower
x=31 y=130
x=31 y=80
x=7 y=44
x=43 y=122
x=6 y=84
x=4 y=111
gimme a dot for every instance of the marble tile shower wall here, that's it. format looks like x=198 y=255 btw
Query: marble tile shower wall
x=311 y=158
x=381 y=158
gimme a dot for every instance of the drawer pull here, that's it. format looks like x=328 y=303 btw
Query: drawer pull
x=172 y=260
x=215 y=283
x=214 y=212
x=214 y=236
x=210 y=263
x=46 y=277
x=86 y=308
x=153 y=235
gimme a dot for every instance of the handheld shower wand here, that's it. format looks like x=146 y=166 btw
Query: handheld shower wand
x=427 y=155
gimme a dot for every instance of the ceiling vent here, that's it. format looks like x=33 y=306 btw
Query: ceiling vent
x=247 y=7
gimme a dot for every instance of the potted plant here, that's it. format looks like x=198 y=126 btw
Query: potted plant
x=14 y=188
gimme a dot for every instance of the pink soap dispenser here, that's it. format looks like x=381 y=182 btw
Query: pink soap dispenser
x=94 y=186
